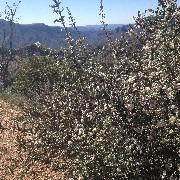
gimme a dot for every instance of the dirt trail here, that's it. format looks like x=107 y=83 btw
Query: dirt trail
x=12 y=162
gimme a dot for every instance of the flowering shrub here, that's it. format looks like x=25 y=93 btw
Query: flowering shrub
x=114 y=117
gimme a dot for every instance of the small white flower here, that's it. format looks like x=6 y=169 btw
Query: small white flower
x=69 y=142
x=98 y=88
x=81 y=131
x=163 y=175
x=173 y=106
x=90 y=133
x=172 y=120
x=131 y=79
x=118 y=170
x=130 y=106
x=38 y=44
x=147 y=89
x=171 y=131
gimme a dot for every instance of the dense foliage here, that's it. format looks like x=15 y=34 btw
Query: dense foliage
x=111 y=115
x=35 y=73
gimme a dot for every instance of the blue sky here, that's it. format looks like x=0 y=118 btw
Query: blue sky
x=86 y=12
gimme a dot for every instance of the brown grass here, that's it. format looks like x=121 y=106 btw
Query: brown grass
x=13 y=162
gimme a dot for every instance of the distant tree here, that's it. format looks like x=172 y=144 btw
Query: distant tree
x=6 y=46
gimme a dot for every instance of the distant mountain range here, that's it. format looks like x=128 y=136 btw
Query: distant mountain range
x=53 y=37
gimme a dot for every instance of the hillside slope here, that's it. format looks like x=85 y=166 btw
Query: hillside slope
x=52 y=36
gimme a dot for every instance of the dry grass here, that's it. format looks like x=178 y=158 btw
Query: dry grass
x=12 y=162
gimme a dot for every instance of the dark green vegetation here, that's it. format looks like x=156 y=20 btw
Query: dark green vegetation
x=108 y=113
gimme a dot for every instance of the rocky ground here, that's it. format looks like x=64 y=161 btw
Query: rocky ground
x=13 y=164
